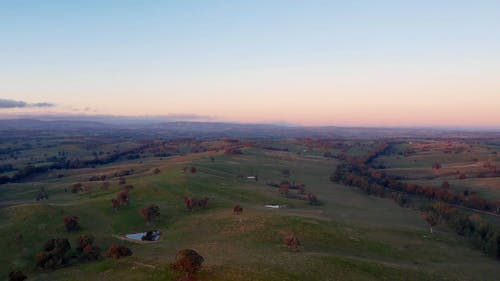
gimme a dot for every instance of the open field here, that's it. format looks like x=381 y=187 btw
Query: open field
x=476 y=160
x=350 y=236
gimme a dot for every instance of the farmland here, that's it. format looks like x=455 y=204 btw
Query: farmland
x=345 y=235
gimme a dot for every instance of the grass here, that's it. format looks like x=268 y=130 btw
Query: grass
x=351 y=236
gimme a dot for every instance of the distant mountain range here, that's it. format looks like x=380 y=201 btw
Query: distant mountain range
x=218 y=129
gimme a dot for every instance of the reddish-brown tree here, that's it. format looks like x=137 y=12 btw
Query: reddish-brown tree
x=203 y=202
x=190 y=203
x=445 y=184
x=115 y=203
x=436 y=166
x=116 y=252
x=150 y=213
x=187 y=262
x=193 y=170
x=291 y=241
x=77 y=187
x=237 y=210
x=123 y=198
x=87 y=249
x=71 y=223
x=284 y=189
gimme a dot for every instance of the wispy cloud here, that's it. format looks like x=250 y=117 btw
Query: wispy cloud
x=7 y=103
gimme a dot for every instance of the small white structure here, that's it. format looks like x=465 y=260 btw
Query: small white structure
x=251 y=177
x=273 y=206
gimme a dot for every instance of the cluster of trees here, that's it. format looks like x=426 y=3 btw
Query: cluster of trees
x=233 y=151
x=285 y=186
x=122 y=198
x=53 y=254
x=483 y=234
x=28 y=170
x=151 y=235
x=64 y=163
x=191 y=202
x=376 y=182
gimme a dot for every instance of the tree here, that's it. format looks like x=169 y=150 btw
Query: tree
x=187 y=262
x=77 y=187
x=431 y=218
x=190 y=203
x=284 y=189
x=445 y=184
x=312 y=199
x=117 y=252
x=237 y=210
x=436 y=166
x=87 y=249
x=150 y=213
x=203 y=202
x=123 y=198
x=291 y=241
x=193 y=170
x=71 y=223
x=156 y=171
x=115 y=203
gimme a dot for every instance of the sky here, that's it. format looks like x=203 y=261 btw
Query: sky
x=344 y=63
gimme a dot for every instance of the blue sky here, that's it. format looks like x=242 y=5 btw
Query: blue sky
x=215 y=57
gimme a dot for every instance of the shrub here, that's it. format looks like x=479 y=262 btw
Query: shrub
x=77 y=187
x=17 y=276
x=237 y=210
x=116 y=252
x=203 y=202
